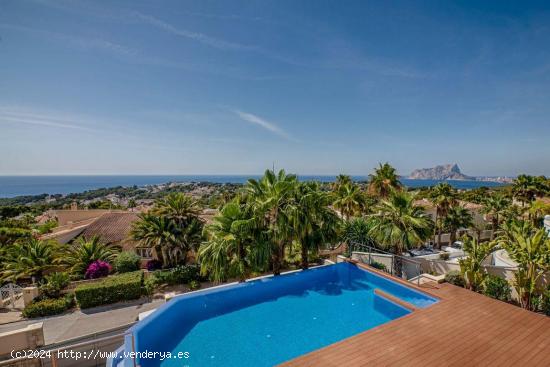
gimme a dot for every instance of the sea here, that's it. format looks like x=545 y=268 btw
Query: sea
x=12 y=186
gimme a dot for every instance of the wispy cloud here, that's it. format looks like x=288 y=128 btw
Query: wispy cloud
x=134 y=56
x=18 y=117
x=214 y=42
x=338 y=57
x=196 y=36
x=263 y=123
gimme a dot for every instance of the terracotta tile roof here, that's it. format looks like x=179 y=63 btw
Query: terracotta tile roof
x=111 y=227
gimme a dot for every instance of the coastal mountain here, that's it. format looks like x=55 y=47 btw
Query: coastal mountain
x=442 y=172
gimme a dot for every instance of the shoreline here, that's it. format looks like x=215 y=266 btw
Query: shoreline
x=14 y=187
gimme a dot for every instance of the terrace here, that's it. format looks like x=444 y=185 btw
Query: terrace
x=463 y=329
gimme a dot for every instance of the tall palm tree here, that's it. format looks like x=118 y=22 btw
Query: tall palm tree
x=496 y=206
x=384 y=180
x=231 y=245
x=526 y=188
x=443 y=196
x=30 y=258
x=457 y=217
x=530 y=248
x=399 y=224
x=157 y=233
x=313 y=222
x=178 y=207
x=176 y=230
x=270 y=199
x=471 y=266
x=85 y=251
x=349 y=200
x=188 y=238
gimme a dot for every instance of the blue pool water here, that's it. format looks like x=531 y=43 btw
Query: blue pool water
x=271 y=320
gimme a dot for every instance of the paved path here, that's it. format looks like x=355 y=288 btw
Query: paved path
x=9 y=315
x=80 y=323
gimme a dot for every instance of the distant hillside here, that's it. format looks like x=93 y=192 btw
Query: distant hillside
x=443 y=172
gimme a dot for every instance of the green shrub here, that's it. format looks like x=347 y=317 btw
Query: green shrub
x=149 y=285
x=379 y=266
x=47 y=226
x=536 y=302
x=455 y=277
x=193 y=285
x=545 y=306
x=444 y=256
x=113 y=289
x=182 y=274
x=127 y=262
x=55 y=283
x=497 y=288
x=186 y=273
x=48 y=307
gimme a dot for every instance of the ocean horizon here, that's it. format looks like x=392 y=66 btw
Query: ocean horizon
x=13 y=186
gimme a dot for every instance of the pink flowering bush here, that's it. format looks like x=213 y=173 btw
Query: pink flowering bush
x=98 y=269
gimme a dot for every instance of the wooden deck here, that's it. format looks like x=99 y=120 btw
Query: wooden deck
x=463 y=329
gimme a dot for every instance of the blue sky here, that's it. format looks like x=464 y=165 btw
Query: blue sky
x=316 y=87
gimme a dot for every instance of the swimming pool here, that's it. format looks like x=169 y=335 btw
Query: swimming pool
x=270 y=320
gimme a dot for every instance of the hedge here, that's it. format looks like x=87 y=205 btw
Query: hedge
x=48 y=306
x=182 y=274
x=113 y=289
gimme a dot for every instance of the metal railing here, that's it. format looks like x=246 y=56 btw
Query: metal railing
x=395 y=265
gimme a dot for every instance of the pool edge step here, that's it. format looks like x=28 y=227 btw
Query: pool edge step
x=394 y=299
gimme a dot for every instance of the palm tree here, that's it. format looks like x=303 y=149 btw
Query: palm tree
x=526 y=188
x=171 y=229
x=132 y=204
x=399 y=224
x=471 y=267
x=313 y=222
x=232 y=243
x=341 y=180
x=85 y=251
x=443 y=196
x=530 y=248
x=188 y=238
x=157 y=233
x=349 y=200
x=30 y=258
x=178 y=207
x=270 y=199
x=496 y=206
x=537 y=210
x=512 y=213
x=358 y=230
x=457 y=217
x=384 y=180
